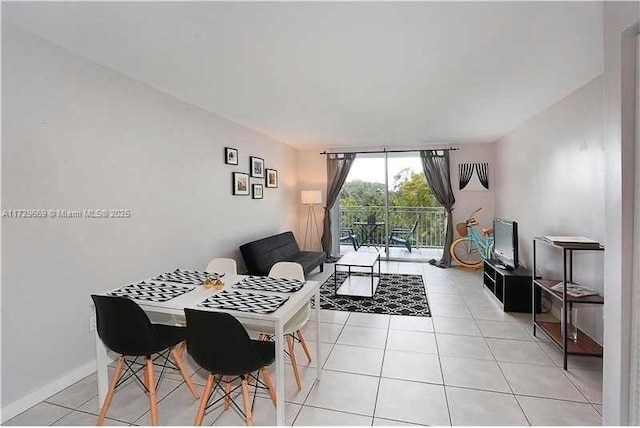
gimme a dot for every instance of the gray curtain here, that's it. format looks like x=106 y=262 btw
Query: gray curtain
x=338 y=166
x=436 y=168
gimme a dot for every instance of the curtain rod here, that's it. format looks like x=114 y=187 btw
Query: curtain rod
x=386 y=151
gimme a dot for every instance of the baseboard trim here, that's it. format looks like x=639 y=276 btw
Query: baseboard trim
x=42 y=393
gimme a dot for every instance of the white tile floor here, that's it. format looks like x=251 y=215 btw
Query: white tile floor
x=471 y=364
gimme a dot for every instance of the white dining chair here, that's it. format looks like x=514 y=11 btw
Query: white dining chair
x=288 y=270
x=292 y=329
x=222 y=265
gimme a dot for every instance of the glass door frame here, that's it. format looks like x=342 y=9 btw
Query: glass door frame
x=335 y=212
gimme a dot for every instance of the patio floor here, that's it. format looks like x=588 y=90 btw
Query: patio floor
x=399 y=253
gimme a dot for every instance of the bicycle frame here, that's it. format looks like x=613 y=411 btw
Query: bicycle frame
x=472 y=248
x=482 y=244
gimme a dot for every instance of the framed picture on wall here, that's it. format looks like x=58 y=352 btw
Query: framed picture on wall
x=473 y=176
x=272 y=178
x=240 y=183
x=257 y=191
x=256 y=166
x=230 y=156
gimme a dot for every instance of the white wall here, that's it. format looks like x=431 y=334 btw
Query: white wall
x=550 y=176
x=620 y=27
x=467 y=201
x=79 y=136
x=312 y=175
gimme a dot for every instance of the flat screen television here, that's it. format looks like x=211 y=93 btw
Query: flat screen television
x=505 y=247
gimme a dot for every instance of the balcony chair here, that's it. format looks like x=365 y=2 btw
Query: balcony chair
x=403 y=236
x=125 y=329
x=348 y=235
x=219 y=343
x=292 y=329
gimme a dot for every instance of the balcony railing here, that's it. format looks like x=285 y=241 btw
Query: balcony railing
x=429 y=232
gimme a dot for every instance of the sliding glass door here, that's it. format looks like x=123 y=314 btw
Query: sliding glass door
x=386 y=205
x=363 y=202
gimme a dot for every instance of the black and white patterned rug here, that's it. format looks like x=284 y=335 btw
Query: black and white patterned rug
x=397 y=294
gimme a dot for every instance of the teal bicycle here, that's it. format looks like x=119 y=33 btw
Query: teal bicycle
x=472 y=248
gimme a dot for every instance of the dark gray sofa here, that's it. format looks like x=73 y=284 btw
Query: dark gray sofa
x=260 y=255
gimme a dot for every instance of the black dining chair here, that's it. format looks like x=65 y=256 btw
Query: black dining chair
x=125 y=328
x=220 y=344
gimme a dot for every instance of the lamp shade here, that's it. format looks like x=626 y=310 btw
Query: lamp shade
x=311 y=197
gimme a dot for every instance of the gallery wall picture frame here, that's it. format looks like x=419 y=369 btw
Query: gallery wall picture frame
x=241 y=184
x=258 y=191
x=272 y=178
x=256 y=166
x=230 y=156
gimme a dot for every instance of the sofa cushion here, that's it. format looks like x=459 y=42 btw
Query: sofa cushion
x=263 y=253
x=308 y=259
x=259 y=256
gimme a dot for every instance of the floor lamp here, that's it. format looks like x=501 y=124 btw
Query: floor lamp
x=311 y=198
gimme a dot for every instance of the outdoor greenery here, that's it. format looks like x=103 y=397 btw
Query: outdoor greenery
x=408 y=191
x=410 y=199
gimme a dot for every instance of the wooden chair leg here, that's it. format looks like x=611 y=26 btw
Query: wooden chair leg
x=178 y=360
x=182 y=348
x=205 y=398
x=294 y=363
x=247 y=401
x=227 y=390
x=110 y=391
x=304 y=345
x=152 y=391
x=269 y=383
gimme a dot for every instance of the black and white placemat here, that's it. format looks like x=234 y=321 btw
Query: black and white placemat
x=244 y=302
x=151 y=291
x=264 y=283
x=183 y=277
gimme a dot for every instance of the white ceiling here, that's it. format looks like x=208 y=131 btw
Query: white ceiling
x=342 y=74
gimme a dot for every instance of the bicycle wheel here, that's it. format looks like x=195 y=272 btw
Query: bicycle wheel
x=466 y=253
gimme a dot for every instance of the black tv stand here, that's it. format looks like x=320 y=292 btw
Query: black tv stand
x=500 y=265
x=511 y=287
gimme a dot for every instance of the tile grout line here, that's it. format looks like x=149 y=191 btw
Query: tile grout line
x=158 y=401
x=444 y=387
x=513 y=394
x=315 y=382
x=384 y=354
x=63 y=416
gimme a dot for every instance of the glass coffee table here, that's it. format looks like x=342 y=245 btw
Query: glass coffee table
x=362 y=285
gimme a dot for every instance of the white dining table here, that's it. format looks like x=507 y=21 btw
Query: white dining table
x=276 y=320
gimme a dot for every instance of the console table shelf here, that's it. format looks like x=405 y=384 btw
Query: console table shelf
x=546 y=284
x=583 y=344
